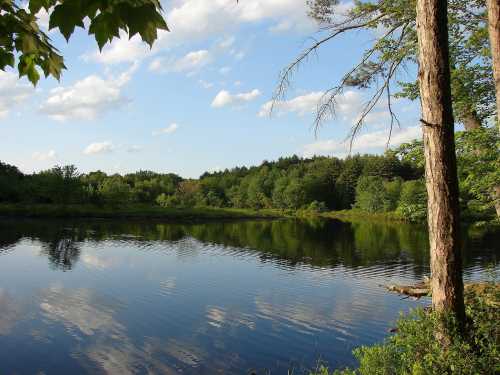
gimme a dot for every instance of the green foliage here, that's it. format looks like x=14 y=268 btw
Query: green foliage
x=394 y=49
x=115 y=191
x=414 y=350
x=317 y=207
x=59 y=185
x=374 y=194
x=370 y=194
x=478 y=157
x=413 y=202
x=390 y=184
x=21 y=37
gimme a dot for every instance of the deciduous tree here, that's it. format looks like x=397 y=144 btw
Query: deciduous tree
x=23 y=40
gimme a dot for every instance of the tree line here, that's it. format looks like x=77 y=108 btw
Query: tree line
x=392 y=182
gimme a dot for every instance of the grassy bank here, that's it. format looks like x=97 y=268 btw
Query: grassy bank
x=132 y=211
x=358 y=214
x=145 y=211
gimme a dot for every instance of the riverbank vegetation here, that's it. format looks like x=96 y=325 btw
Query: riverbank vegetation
x=389 y=186
x=413 y=349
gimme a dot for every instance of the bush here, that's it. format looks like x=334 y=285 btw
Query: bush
x=115 y=192
x=413 y=202
x=317 y=207
x=414 y=350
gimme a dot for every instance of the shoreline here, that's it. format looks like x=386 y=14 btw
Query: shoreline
x=75 y=211
x=131 y=212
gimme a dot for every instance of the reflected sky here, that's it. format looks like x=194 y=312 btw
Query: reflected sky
x=108 y=297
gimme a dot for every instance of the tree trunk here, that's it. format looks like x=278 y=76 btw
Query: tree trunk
x=440 y=158
x=494 y=31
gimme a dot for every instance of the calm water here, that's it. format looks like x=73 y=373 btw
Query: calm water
x=108 y=297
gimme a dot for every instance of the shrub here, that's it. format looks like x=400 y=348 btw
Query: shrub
x=413 y=202
x=370 y=194
x=317 y=207
x=414 y=350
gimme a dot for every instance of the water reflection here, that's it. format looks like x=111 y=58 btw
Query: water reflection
x=211 y=298
x=322 y=243
x=9 y=312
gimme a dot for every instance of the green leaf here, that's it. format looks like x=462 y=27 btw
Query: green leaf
x=66 y=16
x=29 y=44
x=6 y=59
x=33 y=75
x=53 y=66
x=27 y=67
x=145 y=20
x=105 y=27
x=35 y=5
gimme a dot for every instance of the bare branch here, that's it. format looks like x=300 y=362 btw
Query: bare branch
x=284 y=80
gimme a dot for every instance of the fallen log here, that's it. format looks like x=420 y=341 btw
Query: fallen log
x=422 y=289
x=409 y=290
x=417 y=291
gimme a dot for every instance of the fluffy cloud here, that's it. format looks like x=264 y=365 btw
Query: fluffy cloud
x=172 y=128
x=88 y=98
x=195 y=20
x=225 y=98
x=365 y=142
x=12 y=92
x=301 y=105
x=191 y=62
x=44 y=156
x=348 y=107
x=99 y=148
x=120 y=50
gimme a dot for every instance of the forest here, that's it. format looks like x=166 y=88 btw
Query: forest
x=388 y=183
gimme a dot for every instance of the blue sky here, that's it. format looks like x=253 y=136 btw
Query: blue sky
x=195 y=102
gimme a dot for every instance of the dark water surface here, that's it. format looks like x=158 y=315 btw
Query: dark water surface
x=106 y=297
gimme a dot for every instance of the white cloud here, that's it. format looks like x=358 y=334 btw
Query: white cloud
x=88 y=98
x=348 y=107
x=45 y=156
x=191 y=62
x=225 y=98
x=172 y=128
x=99 y=148
x=120 y=50
x=195 y=20
x=363 y=143
x=43 y=18
x=134 y=149
x=301 y=105
x=12 y=92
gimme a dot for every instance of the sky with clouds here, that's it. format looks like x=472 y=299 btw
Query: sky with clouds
x=198 y=100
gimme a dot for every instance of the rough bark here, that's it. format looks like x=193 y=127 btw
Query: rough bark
x=494 y=32
x=440 y=158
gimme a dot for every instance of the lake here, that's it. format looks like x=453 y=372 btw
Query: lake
x=132 y=297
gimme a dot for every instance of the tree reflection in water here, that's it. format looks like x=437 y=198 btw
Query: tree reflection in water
x=314 y=242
